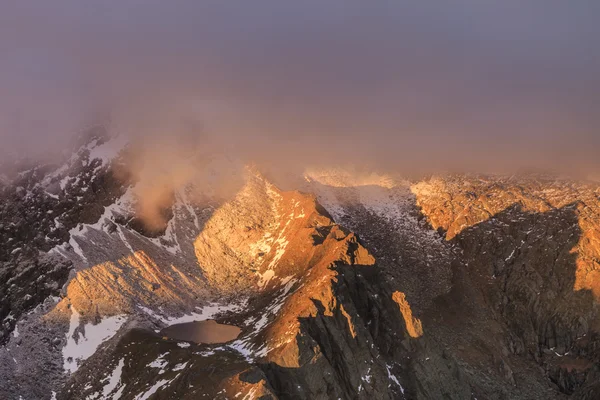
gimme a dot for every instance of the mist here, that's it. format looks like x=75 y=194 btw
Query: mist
x=468 y=85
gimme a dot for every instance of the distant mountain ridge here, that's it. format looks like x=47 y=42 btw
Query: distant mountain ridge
x=352 y=286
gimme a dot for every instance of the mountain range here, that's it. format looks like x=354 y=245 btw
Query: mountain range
x=343 y=284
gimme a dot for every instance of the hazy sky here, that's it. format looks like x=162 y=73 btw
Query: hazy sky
x=492 y=82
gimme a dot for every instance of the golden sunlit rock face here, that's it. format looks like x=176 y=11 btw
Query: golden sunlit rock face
x=249 y=244
x=315 y=296
x=413 y=325
x=113 y=288
x=457 y=205
x=256 y=242
x=260 y=237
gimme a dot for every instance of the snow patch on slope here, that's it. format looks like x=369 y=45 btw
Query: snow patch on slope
x=245 y=345
x=121 y=206
x=268 y=242
x=209 y=311
x=108 y=150
x=113 y=381
x=158 y=385
x=159 y=363
x=82 y=343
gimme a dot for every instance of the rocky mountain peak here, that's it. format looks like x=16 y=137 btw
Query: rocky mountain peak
x=354 y=285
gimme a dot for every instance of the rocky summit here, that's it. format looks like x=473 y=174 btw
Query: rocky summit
x=344 y=285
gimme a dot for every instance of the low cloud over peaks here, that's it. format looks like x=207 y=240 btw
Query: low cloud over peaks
x=468 y=85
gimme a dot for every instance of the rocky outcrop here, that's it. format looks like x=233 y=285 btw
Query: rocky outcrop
x=27 y=282
x=321 y=325
x=528 y=247
x=262 y=236
x=38 y=208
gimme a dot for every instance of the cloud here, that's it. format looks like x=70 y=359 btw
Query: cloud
x=467 y=85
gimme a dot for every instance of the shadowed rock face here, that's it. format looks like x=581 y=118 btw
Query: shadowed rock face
x=527 y=279
x=38 y=208
x=516 y=253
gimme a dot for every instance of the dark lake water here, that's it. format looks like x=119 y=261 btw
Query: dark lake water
x=208 y=331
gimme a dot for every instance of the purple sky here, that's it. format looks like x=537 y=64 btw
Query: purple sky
x=494 y=82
